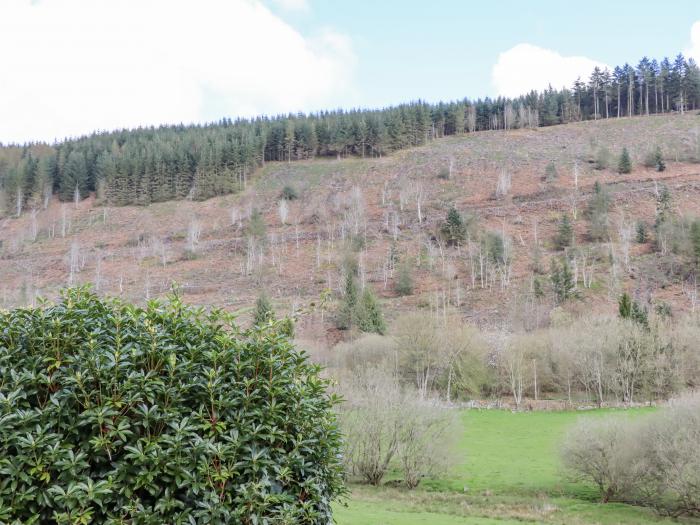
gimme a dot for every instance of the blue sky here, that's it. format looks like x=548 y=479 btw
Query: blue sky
x=446 y=49
x=74 y=66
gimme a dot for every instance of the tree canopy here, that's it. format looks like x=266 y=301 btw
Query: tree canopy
x=154 y=164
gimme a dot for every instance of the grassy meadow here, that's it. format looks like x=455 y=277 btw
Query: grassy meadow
x=506 y=470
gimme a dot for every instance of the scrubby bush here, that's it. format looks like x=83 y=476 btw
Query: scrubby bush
x=111 y=413
x=602 y=159
x=289 y=193
x=386 y=426
x=654 y=462
x=448 y=357
x=550 y=172
x=444 y=174
x=601 y=451
x=372 y=350
x=493 y=245
x=669 y=455
x=424 y=449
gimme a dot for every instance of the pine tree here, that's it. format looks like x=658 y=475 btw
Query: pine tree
x=695 y=241
x=598 y=208
x=659 y=164
x=347 y=313
x=263 y=311
x=630 y=309
x=155 y=164
x=624 y=306
x=641 y=232
x=289 y=193
x=369 y=314
x=624 y=164
x=74 y=176
x=565 y=233
x=562 y=278
x=453 y=230
x=404 y=279
x=256 y=226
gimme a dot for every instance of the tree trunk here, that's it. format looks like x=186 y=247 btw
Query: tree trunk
x=534 y=369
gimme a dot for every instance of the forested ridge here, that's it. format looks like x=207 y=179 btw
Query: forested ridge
x=147 y=165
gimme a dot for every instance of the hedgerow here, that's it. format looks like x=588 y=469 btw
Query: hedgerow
x=112 y=413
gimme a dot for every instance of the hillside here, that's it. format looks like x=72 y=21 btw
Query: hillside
x=387 y=210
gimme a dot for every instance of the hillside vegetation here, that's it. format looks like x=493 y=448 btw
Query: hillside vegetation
x=291 y=229
x=148 y=165
x=519 y=266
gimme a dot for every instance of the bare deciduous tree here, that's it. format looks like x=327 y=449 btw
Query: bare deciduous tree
x=283 y=210
x=194 y=231
x=74 y=262
x=471 y=118
x=503 y=184
x=384 y=425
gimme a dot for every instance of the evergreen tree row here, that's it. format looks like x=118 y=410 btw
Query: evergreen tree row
x=147 y=165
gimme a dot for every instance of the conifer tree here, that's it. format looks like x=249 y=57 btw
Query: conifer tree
x=256 y=226
x=263 y=310
x=659 y=164
x=624 y=306
x=562 y=279
x=347 y=314
x=74 y=176
x=565 y=233
x=630 y=309
x=624 y=164
x=663 y=207
x=369 y=314
x=155 y=164
x=404 y=279
x=641 y=232
x=598 y=208
x=695 y=241
x=453 y=230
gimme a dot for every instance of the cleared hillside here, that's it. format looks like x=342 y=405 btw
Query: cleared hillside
x=370 y=208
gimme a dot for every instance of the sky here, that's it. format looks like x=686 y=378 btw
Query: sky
x=70 y=67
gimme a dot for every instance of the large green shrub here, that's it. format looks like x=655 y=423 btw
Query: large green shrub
x=111 y=413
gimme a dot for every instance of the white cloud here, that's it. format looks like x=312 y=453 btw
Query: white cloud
x=694 y=50
x=73 y=66
x=292 y=5
x=525 y=67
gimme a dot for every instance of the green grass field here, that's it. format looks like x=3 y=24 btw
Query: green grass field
x=506 y=471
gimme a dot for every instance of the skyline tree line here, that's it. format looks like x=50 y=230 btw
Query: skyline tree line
x=199 y=161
